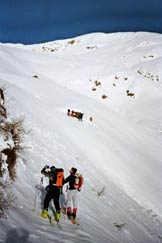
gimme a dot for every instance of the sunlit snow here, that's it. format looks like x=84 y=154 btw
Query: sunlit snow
x=116 y=79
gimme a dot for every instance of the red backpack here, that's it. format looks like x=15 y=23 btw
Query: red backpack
x=78 y=181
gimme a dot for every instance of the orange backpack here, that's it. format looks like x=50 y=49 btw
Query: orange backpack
x=59 y=177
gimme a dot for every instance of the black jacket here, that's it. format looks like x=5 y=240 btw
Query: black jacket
x=52 y=179
x=71 y=179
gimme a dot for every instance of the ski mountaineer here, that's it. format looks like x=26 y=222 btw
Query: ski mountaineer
x=72 y=195
x=53 y=191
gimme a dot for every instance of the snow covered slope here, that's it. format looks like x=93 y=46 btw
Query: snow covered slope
x=117 y=80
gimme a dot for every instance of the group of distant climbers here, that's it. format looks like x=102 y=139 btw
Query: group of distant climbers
x=54 y=190
x=77 y=114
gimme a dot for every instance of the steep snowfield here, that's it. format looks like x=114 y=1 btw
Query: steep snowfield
x=119 y=152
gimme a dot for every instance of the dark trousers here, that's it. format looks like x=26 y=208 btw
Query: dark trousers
x=55 y=195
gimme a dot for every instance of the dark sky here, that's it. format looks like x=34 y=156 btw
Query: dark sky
x=36 y=21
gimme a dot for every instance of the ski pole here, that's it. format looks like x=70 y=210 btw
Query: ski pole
x=37 y=190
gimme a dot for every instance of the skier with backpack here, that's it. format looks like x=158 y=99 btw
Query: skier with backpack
x=54 y=189
x=75 y=182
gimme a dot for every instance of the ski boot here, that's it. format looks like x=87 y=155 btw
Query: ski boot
x=57 y=216
x=44 y=214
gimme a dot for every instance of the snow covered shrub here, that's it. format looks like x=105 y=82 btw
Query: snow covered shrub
x=35 y=76
x=119 y=226
x=97 y=83
x=71 y=42
x=13 y=138
x=130 y=93
x=91 y=47
x=1 y=169
x=3 y=112
x=14 y=130
x=99 y=190
x=104 y=96
x=117 y=77
x=91 y=118
x=2 y=98
x=10 y=161
x=7 y=200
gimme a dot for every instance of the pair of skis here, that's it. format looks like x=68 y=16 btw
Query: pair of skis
x=71 y=219
x=50 y=218
x=74 y=221
x=51 y=221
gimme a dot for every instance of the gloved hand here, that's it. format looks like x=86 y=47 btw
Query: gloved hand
x=43 y=171
x=46 y=167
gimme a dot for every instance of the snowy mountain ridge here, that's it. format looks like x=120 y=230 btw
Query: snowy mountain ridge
x=115 y=79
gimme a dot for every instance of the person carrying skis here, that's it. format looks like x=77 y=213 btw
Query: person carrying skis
x=72 y=195
x=53 y=190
